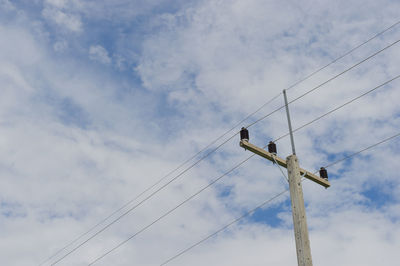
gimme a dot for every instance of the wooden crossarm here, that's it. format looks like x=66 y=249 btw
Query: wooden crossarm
x=267 y=155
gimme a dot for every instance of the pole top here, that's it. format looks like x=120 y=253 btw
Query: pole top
x=289 y=122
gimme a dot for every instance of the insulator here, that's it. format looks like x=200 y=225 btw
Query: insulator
x=244 y=134
x=323 y=173
x=272 y=147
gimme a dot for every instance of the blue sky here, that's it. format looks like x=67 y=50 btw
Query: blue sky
x=100 y=99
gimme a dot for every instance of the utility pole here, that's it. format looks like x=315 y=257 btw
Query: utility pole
x=291 y=163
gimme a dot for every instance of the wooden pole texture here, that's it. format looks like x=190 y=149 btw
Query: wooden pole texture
x=298 y=212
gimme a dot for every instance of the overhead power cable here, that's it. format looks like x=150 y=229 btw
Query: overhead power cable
x=224 y=227
x=173 y=209
x=232 y=169
x=140 y=203
x=138 y=196
x=125 y=205
x=236 y=166
x=338 y=107
x=325 y=82
x=213 y=142
x=313 y=74
x=363 y=150
x=223 y=175
x=268 y=201
x=345 y=54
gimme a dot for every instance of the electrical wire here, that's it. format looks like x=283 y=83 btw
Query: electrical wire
x=213 y=142
x=173 y=209
x=338 y=107
x=264 y=203
x=363 y=150
x=176 y=207
x=325 y=82
x=140 y=202
x=280 y=169
x=209 y=185
x=258 y=120
x=341 y=56
x=134 y=199
x=320 y=69
x=127 y=203
x=224 y=227
x=345 y=54
x=163 y=178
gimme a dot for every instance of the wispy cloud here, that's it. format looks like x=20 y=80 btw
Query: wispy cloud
x=68 y=21
x=98 y=53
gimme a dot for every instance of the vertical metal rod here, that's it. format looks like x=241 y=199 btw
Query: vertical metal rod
x=290 y=124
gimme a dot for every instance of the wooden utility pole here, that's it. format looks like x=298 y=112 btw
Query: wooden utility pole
x=291 y=163
x=299 y=213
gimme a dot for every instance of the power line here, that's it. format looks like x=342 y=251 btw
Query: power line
x=164 y=177
x=319 y=70
x=141 y=202
x=173 y=209
x=223 y=228
x=325 y=82
x=365 y=149
x=264 y=203
x=236 y=166
x=228 y=172
x=132 y=200
x=122 y=207
x=176 y=177
x=339 y=107
x=217 y=139
x=345 y=54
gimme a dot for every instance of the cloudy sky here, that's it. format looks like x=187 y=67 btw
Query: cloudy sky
x=99 y=100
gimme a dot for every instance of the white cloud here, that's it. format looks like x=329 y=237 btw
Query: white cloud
x=58 y=3
x=77 y=142
x=60 y=46
x=7 y=5
x=71 y=22
x=99 y=53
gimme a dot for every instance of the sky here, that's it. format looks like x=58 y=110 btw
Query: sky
x=99 y=100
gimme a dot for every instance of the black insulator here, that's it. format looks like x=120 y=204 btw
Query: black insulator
x=323 y=173
x=244 y=134
x=272 y=147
